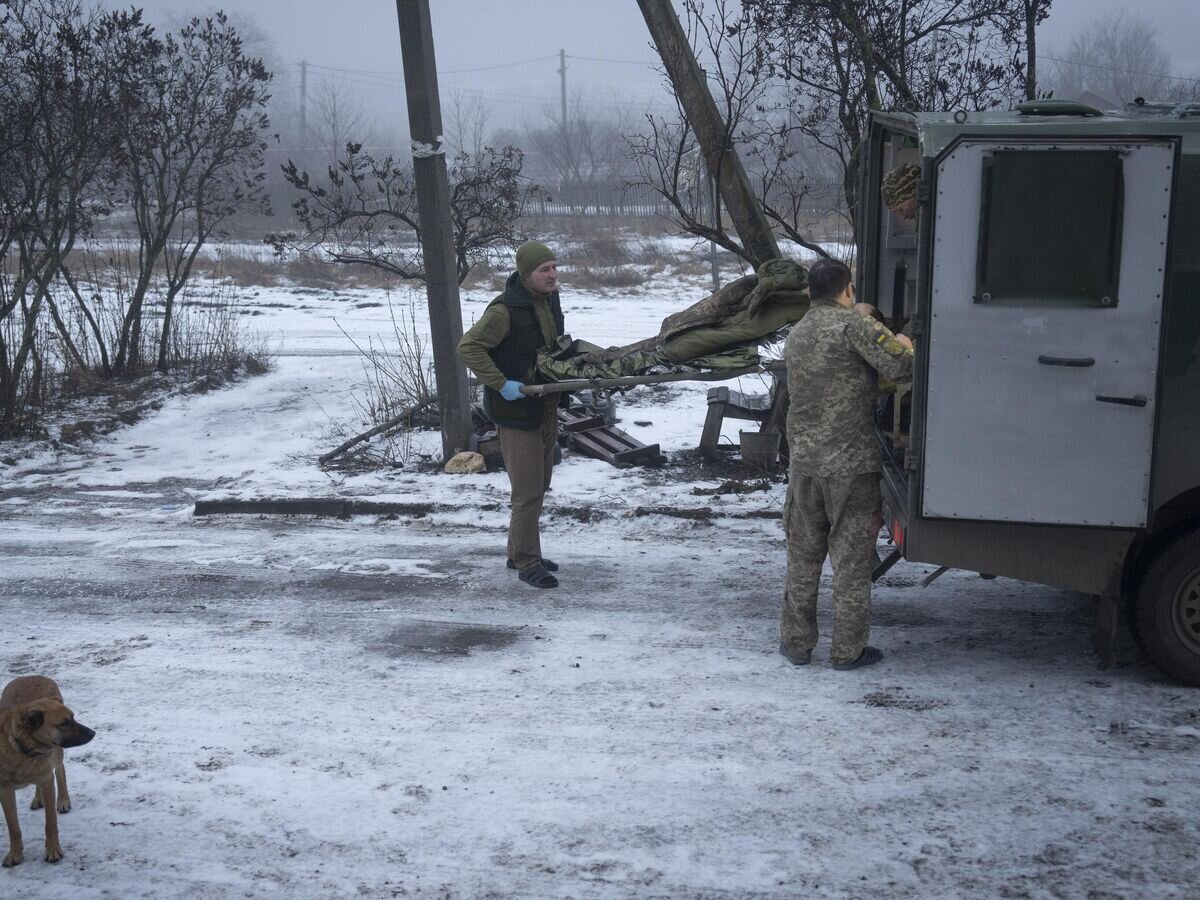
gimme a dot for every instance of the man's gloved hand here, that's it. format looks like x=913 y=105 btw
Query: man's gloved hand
x=512 y=390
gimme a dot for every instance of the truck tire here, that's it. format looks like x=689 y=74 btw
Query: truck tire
x=1168 y=609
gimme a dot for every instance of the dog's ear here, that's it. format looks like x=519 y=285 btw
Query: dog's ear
x=33 y=719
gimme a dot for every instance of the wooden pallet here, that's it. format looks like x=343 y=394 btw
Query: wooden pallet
x=587 y=433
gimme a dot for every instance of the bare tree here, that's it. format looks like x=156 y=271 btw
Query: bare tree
x=57 y=110
x=1184 y=90
x=365 y=210
x=1033 y=13
x=466 y=123
x=842 y=58
x=192 y=132
x=1118 y=56
x=794 y=81
x=587 y=149
x=337 y=118
x=757 y=124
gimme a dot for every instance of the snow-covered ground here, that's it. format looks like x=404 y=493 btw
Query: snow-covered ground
x=301 y=707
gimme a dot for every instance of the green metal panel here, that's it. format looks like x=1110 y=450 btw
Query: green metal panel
x=937 y=130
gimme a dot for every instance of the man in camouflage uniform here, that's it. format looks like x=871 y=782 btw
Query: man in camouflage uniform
x=834 y=356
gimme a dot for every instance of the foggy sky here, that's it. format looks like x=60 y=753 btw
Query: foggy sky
x=357 y=42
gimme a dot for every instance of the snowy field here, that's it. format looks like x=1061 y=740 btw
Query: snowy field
x=314 y=708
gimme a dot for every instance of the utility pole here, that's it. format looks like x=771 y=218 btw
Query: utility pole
x=562 y=84
x=433 y=210
x=715 y=141
x=303 y=110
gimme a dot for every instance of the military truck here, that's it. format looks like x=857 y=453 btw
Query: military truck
x=1051 y=282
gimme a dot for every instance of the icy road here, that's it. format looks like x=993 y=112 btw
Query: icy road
x=313 y=708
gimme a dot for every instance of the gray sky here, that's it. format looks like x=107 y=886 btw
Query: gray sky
x=358 y=41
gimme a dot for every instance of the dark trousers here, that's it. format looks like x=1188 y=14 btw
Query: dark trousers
x=529 y=460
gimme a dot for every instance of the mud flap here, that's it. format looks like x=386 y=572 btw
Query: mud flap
x=1112 y=637
x=1104 y=633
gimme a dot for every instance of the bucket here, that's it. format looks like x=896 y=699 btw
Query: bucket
x=760 y=449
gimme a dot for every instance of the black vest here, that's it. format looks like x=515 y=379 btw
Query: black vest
x=516 y=357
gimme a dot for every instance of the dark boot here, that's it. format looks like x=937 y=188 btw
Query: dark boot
x=548 y=564
x=795 y=658
x=868 y=657
x=538 y=577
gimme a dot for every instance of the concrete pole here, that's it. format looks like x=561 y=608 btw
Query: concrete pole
x=302 y=155
x=433 y=210
x=562 y=86
x=692 y=88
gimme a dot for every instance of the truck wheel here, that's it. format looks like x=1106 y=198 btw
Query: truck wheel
x=1168 y=609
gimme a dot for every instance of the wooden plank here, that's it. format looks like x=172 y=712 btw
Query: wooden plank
x=637 y=454
x=711 y=435
x=613 y=439
x=310 y=506
x=586 y=444
x=746 y=415
x=749 y=402
x=718 y=395
x=587 y=424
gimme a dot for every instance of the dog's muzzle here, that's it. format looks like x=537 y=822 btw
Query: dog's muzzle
x=79 y=736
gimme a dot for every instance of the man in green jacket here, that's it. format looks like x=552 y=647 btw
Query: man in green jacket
x=501 y=349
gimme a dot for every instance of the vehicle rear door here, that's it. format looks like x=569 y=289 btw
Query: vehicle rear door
x=1044 y=326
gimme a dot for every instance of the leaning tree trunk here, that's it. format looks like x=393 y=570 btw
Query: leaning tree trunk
x=1031 y=50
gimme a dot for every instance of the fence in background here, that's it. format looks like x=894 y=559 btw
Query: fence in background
x=642 y=201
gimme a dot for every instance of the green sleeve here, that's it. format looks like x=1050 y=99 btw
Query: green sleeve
x=879 y=347
x=488 y=331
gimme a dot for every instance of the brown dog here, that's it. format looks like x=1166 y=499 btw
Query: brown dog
x=34 y=727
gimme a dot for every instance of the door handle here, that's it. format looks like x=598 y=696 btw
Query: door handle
x=1070 y=362
x=1135 y=400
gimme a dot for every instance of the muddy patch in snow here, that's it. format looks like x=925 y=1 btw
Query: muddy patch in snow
x=900 y=700
x=422 y=636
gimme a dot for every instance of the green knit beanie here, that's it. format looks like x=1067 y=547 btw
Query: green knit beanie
x=530 y=255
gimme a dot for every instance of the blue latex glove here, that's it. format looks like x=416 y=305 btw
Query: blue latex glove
x=512 y=390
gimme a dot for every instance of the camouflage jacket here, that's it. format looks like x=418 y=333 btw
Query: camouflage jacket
x=834 y=359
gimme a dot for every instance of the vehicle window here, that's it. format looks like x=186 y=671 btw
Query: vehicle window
x=1050 y=228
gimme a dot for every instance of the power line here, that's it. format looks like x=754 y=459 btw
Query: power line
x=394 y=73
x=628 y=62
x=521 y=62
x=377 y=86
x=1087 y=65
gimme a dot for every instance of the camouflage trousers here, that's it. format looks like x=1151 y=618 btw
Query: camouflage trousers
x=838 y=517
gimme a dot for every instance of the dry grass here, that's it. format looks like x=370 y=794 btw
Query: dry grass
x=606 y=276
x=399 y=381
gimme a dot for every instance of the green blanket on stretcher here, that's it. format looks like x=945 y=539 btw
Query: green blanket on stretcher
x=722 y=332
